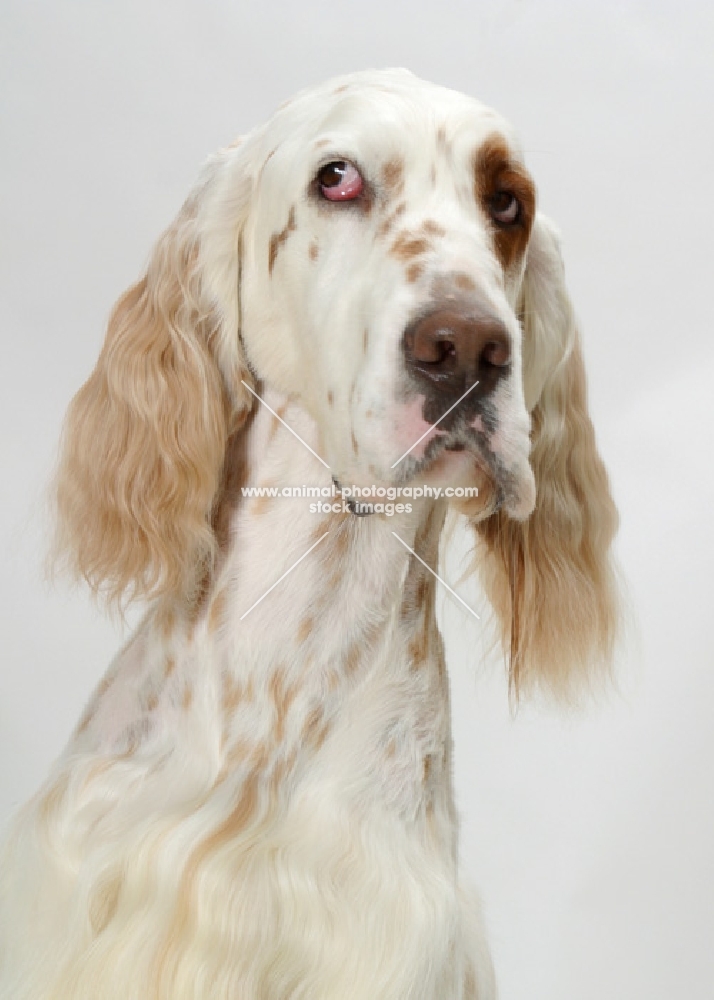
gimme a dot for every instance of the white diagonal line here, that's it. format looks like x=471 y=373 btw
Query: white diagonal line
x=297 y=563
x=442 y=582
x=287 y=426
x=429 y=429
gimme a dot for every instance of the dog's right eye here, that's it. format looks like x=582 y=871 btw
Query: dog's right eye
x=505 y=208
x=340 y=181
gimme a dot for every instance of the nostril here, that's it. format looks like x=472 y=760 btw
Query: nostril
x=446 y=349
x=496 y=353
x=431 y=348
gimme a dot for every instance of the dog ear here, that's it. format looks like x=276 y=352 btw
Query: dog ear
x=145 y=437
x=550 y=578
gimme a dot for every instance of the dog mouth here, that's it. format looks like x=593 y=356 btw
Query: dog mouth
x=501 y=484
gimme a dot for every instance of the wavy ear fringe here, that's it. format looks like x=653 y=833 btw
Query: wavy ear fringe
x=145 y=438
x=550 y=578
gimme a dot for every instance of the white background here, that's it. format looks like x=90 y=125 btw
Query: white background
x=590 y=835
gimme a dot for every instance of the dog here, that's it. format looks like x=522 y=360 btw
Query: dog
x=357 y=321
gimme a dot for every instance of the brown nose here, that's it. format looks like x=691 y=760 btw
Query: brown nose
x=450 y=349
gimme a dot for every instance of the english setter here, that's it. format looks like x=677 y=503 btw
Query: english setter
x=258 y=800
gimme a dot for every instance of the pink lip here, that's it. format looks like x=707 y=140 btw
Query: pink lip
x=411 y=427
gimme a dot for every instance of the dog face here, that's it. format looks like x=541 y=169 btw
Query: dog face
x=375 y=253
x=382 y=258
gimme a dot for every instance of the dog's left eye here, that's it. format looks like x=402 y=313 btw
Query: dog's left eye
x=340 y=181
x=505 y=208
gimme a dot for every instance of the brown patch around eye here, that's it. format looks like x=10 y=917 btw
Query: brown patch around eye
x=407 y=246
x=277 y=239
x=497 y=172
x=393 y=175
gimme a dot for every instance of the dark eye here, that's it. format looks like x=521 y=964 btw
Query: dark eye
x=340 y=181
x=505 y=208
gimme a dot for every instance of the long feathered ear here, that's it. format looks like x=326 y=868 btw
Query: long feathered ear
x=550 y=578
x=145 y=438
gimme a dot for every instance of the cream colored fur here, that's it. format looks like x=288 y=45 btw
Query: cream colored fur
x=258 y=802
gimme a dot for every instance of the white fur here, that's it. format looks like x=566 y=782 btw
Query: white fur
x=337 y=876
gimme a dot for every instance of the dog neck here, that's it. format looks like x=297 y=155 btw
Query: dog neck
x=294 y=558
x=308 y=619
